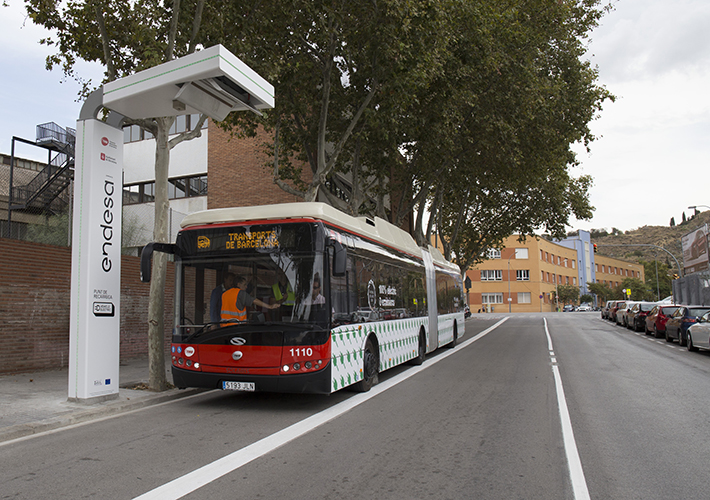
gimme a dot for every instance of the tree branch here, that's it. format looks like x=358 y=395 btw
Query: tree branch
x=110 y=67
x=170 y=50
x=196 y=22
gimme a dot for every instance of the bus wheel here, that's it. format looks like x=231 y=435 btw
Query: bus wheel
x=371 y=367
x=421 y=355
x=453 y=343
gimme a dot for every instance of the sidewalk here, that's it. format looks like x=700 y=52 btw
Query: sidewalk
x=36 y=402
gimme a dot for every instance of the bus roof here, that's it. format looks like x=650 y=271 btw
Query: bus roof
x=374 y=228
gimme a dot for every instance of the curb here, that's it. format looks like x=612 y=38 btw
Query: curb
x=107 y=409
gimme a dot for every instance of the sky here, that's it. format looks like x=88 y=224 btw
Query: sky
x=649 y=162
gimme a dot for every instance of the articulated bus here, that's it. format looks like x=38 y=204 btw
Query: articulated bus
x=334 y=300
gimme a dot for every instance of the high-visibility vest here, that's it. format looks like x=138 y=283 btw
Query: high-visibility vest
x=290 y=296
x=229 y=306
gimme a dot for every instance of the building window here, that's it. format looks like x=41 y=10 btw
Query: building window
x=542 y=255
x=182 y=123
x=493 y=253
x=554 y=278
x=491 y=275
x=566 y=263
x=522 y=275
x=566 y=280
x=573 y=264
x=523 y=297
x=184 y=187
x=574 y=281
x=491 y=298
x=521 y=253
x=542 y=275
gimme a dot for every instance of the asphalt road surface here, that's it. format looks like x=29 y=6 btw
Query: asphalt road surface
x=539 y=406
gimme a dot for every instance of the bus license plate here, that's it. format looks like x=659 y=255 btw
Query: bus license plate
x=238 y=386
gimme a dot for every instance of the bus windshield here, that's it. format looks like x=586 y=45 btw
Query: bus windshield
x=281 y=277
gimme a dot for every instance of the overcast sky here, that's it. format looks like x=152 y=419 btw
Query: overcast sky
x=651 y=157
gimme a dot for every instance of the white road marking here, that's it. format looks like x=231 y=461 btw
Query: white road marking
x=198 y=478
x=576 y=473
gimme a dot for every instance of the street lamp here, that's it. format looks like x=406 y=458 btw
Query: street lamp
x=510 y=299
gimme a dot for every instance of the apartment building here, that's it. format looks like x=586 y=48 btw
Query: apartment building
x=612 y=271
x=522 y=276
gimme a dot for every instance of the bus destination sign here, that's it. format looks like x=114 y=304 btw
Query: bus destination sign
x=236 y=240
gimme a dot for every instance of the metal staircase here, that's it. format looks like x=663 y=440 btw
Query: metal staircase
x=43 y=194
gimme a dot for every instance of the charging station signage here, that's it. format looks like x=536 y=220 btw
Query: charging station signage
x=96 y=261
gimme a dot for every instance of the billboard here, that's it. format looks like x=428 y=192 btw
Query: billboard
x=695 y=250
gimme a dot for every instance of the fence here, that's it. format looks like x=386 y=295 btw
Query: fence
x=692 y=289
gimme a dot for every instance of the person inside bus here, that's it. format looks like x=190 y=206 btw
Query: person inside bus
x=315 y=302
x=236 y=300
x=216 y=297
x=283 y=294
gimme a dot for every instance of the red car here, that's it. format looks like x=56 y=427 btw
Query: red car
x=656 y=319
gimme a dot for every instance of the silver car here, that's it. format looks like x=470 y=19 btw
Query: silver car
x=699 y=334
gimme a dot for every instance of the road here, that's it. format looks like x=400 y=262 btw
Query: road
x=478 y=421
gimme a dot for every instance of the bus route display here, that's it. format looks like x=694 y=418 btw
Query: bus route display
x=239 y=239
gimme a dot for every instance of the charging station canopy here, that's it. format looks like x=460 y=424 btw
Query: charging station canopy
x=212 y=81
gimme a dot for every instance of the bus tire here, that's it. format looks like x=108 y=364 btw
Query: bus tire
x=421 y=355
x=370 y=367
x=453 y=343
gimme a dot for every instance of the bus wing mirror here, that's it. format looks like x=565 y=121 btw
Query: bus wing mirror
x=340 y=258
x=147 y=257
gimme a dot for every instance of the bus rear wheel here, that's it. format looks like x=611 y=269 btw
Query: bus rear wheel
x=370 y=367
x=421 y=353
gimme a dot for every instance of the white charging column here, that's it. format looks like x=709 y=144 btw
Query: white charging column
x=96 y=262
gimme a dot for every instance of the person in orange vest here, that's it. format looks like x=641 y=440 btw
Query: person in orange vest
x=236 y=300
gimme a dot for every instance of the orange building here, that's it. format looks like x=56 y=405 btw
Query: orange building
x=522 y=276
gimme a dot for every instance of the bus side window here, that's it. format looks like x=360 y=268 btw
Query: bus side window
x=343 y=295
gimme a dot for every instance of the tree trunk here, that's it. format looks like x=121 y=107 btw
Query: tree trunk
x=156 y=305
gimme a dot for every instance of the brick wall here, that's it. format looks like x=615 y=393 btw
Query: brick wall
x=35 y=301
x=238 y=174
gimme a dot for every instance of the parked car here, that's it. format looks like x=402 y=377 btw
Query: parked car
x=618 y=304
x=584 y=307
x=656 y=319
x=638 y=314
x=698 y=334
x=568 y=308
x=678 y=324
x=622 y=313
x=607 y=309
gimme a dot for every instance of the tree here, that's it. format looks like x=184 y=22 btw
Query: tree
x=462 y=110
x=659 y=283
x=126 y=37
x=567 y=294
x=672 y=221
x=602 y=290
x=586 y=299
x=639 y=289
x=342 y=70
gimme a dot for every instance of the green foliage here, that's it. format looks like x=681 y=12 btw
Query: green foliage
x=586 y=299
x=465 y=110
x=639 y=290
x=567 y=294
x=659 y=283
x=602 y=290
x=54 y=231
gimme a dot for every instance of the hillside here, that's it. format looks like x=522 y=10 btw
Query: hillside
x=663 y=236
